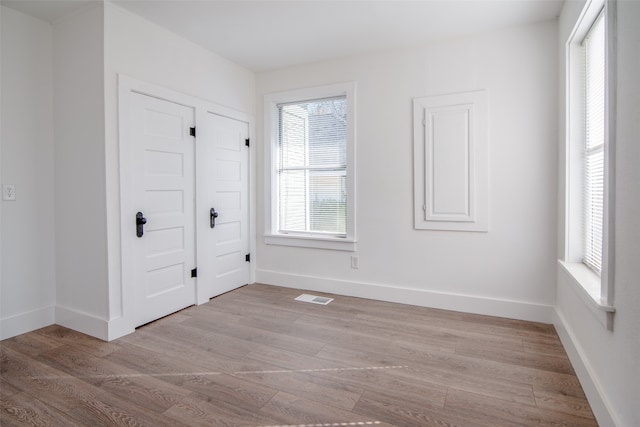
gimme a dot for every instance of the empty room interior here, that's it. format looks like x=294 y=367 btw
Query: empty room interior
x=320 y=213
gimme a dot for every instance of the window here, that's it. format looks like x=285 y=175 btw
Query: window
x=311 y=167
x=593 y=46
x=590 y=157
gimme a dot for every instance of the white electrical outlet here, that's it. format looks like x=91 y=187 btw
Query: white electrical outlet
x=355 y=261
x=8 y=192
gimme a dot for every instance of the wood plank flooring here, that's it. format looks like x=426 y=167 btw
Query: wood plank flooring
x=255 y=357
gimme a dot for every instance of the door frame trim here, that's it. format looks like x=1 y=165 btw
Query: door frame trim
x=124 y=323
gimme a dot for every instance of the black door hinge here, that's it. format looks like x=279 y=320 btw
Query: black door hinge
x=247 y=142
x=247 y=257
x=192 y=131
x=194 y=272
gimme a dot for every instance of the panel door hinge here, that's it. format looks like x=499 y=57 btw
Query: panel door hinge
x=247 y=257
x=247 y=142
x=194 y=272
x=192 y=131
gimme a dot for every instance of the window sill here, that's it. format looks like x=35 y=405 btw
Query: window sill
x=587 y=285
x=332 y=243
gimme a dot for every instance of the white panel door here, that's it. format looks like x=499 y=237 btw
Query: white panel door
x=227 y=187
x=163 y=181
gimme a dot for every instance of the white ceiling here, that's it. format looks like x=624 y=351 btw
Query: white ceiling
x=47 y=10
x=268 y=34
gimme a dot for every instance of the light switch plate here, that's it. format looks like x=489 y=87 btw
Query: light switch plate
x=8 y=192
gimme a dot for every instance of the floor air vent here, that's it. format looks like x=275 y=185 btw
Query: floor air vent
x=314 y=299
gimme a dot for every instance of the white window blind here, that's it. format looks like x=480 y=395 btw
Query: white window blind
x=594 y=49
x=312 y=167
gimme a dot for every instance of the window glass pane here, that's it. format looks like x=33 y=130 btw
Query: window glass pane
x=327 y=132
x=293 y=200
x=594 y=207
x=293 y=136
x=328 y=205
x=594 y=55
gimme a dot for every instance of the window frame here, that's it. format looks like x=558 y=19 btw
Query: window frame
x=271 y=135
x=596 y=290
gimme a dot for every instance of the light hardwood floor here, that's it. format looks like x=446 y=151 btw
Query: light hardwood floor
x=255 y=357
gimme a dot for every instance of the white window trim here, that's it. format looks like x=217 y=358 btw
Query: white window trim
x=271 y=101
x=595 y=291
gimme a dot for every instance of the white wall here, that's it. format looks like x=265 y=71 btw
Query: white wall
x=27 y=293
x=142 y=50
x=60 y=84
x=81 y=238
x=608 y=362
x=510 y=270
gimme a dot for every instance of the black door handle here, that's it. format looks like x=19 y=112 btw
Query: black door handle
x=140 y=222
x=212 y=217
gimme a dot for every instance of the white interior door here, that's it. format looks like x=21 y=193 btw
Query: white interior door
x=163 y=185
x=227 y=187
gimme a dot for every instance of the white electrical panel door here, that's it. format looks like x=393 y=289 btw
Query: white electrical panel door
x=451 y=162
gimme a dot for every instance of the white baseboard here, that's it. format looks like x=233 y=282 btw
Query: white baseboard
x=72 y=319
x=26 y=322
x=82 y=322
x=446 y=301
x=120 y=327
x=592 y=389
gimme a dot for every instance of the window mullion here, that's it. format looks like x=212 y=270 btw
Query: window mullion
x=591 y=150
x=328 y=168
x=306 y=176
